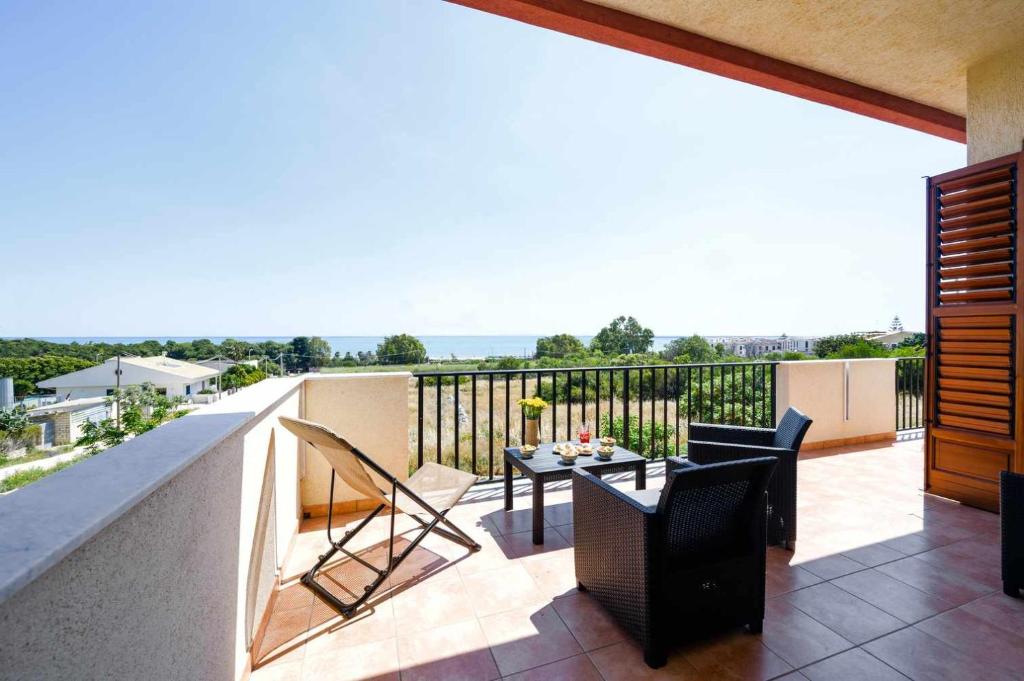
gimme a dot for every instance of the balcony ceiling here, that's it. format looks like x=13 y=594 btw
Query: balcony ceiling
x=900 y=61
x=916 y=49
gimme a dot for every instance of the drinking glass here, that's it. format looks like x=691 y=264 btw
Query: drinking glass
x=584 y=433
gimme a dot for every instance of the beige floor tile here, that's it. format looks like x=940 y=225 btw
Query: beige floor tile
x=528 y=637
x=447 y=653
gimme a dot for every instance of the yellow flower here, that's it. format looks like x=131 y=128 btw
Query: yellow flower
x=533 y=406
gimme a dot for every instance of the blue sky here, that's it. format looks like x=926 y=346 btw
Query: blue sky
x=362 y=167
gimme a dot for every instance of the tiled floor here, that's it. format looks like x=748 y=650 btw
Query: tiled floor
x=886 y=583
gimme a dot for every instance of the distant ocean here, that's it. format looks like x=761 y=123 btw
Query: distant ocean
x=438 y=347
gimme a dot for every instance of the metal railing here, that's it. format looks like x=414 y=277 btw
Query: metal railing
x=910 y=393
x=465 y=418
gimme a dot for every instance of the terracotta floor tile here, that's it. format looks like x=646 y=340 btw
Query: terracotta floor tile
x=926 y=658
x=289 y=671
x=566 y=532
x=624 y=661
x=528 y=637
x=735 y=654
x=786 y=578
x=295 y=595
x=329 y=630
x=873 y=555
x=285 y=636
x=891 y=595
x=852 y=618
x=797 y=638
x=520 y=544
x=943 y=582
x=556 y=514
x=376 y=661
x=793 y=676
x=457 y=652
x=1000 y=610
x=977 y=637
x=509 y=522
x=554 y=574
x=439 y=601
x=830 y=567
x=588 y=622
x=578 y=668
x=503 y=589
x=492 y=554
x=853 y=665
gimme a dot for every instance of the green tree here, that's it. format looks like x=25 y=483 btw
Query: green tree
x=401 y=349
x=28 y=371
x=831 y=344
x=862 y=349
x=623 y=336
x=14 y=422
x=694 y=350
x=917 y=340
x=559 y=345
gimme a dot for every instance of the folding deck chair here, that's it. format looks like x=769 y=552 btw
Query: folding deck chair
x=426 y=497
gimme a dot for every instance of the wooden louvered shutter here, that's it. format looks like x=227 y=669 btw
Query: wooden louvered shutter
x=974 y=327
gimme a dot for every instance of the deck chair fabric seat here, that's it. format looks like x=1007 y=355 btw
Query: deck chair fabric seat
x=426 y=496
x=440 y=486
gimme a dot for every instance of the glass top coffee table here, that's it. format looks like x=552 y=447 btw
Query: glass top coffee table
x=546 y=466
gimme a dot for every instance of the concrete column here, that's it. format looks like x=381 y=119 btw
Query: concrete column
x=851 y=401
x=995 y=105
x=371 y=411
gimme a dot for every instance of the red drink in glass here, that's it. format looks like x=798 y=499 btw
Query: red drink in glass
x=584 y=433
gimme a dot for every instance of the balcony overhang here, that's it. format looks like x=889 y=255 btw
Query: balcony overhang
x=903 y=64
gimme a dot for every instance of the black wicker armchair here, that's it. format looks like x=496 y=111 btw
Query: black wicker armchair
x=1011 y=511
x=709 y=443
x=677 y=561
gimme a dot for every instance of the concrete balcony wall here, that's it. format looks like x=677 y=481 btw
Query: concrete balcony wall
x=139 y=563
x=851 y=401
x=372 y=412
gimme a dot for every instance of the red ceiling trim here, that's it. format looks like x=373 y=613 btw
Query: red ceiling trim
x=630 y=32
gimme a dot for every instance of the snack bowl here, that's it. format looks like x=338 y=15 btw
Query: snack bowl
x=607 y=441
x=605 y=453
x=585 y=449
x=568 y=456
x=527 y=451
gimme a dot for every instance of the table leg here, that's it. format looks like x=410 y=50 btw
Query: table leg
x=538 y=510
x=508 y=487
x=641 y=476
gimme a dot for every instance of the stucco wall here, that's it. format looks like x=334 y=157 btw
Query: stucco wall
x=817 y=388
x=995 y=106
x=158 y=590
x=370 y=410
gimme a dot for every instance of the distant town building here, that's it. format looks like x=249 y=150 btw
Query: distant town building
x=757 y=346
x=171 y=377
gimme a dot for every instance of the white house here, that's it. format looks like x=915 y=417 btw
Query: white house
x=173 y=377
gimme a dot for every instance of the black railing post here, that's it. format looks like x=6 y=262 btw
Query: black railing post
x=625 y=408
x=775 y=414
x=419 y=421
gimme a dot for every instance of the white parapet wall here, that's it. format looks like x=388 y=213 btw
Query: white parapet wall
x=851 y=401
x=371 y=410
x=156 y=558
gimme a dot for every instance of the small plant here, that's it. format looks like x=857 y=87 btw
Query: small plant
x=533 y=407
x=207 y=391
